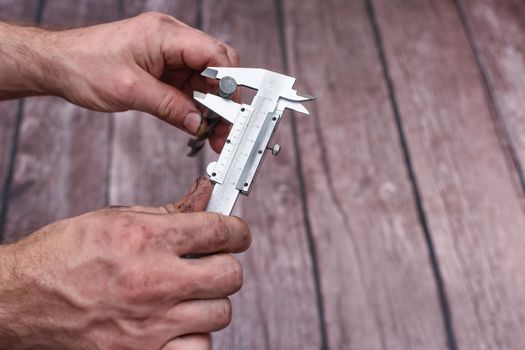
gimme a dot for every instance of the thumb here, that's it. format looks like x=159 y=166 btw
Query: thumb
x=169 y=104
x=196 y=199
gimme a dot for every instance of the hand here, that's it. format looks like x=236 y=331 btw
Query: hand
x=119 y=278
x=150 y=63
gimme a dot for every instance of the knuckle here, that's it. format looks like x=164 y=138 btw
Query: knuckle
x=156 y=18
x=127 y=88
x=130 y=233
x=127 y=222
x=167 y=109
x=133 y=285
x=222 y=49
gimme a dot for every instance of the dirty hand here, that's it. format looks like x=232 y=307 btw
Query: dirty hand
x=120 y=278
x=150 y=63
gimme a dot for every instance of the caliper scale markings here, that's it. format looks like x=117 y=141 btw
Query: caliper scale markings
x=252 y=128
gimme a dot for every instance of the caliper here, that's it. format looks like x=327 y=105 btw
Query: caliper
x=252 y=127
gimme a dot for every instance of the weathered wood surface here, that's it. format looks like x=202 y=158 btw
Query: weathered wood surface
x=497 y=30
x=467 y=182
x=20 y=12
x=372 y=247
x=60 y=166
x=392 y=219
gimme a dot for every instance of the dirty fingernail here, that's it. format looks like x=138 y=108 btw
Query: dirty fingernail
x=194 y=123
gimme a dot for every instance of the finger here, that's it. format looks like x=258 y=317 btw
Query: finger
x=168 y=104
x=213 y=276
x=203 y=84
x=205 y=233
x=198 y=233
x=218 y=138
x=197 y=50
x=168 y=279
x=196 y=199
x=190 y=342
x=177 y=77
x=201 y=316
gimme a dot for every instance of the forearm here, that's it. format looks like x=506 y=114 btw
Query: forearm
x=11 y=330
x=26 y=62
x=21 y=314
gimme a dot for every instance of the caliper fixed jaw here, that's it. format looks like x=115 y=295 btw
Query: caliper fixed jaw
x=254 y=77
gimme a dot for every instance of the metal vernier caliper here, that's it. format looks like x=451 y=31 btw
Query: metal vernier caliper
x=252 y=127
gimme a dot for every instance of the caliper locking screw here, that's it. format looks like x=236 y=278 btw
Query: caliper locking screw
x=275 y=149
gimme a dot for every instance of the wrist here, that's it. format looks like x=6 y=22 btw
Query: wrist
x=27 y=64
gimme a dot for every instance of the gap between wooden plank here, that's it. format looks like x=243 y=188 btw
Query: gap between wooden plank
x=474 y=209
x=10 y=166
x=121 y=13
x=6 y=186
x=496 y=113
x=302 y=187
x=278 y=297
x=149 y=166
x=443 y=300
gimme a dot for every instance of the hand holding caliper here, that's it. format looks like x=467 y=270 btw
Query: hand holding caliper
x=252 y=127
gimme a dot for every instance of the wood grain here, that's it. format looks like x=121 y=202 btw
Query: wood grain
x=467 y=182
x=149 y=164
x=8 y=121
x=19 y=12
x=276 y=309
x=498 y=35
x=61 y=164
x=376 y=278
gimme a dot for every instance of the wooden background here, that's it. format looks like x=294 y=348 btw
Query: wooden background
x=394 y=216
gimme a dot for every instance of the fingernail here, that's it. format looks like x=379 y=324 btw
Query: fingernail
x=193 y=122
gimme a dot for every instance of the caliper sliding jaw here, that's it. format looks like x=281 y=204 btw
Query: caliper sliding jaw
x=252 y=128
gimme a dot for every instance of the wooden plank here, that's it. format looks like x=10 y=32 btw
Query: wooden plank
x=467 y=182
x=8 y=121
x=498 y=35
x=276 y=309
x=376 y=277
x=149 y=164
x=61 y=164
x=19 y=12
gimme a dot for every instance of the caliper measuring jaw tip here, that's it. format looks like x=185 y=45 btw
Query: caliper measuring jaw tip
x=252 y=127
